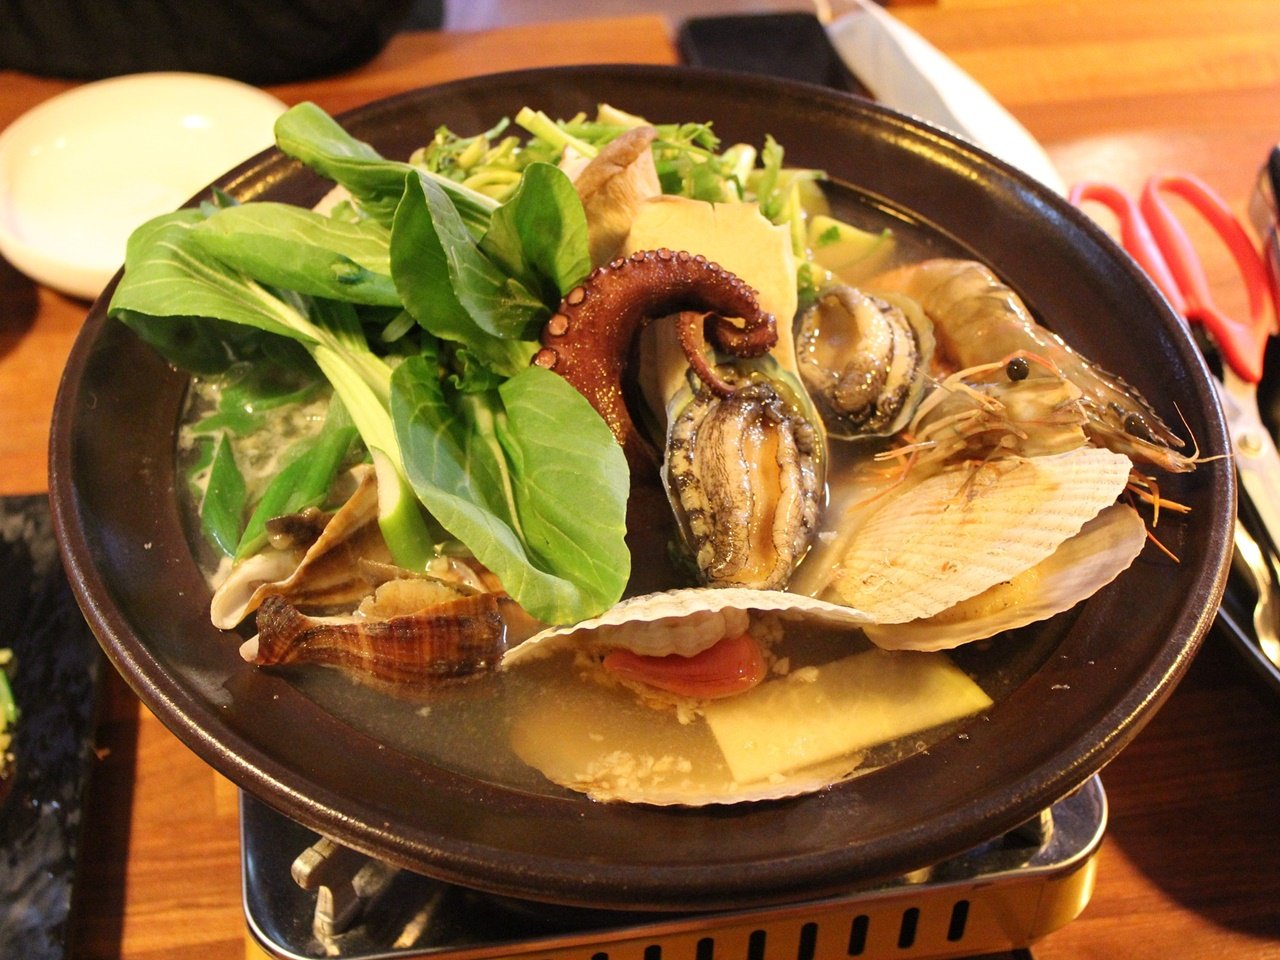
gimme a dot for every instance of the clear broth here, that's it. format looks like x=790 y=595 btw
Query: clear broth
x=466 y=726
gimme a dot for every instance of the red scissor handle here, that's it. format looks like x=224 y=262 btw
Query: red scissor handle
x=1135 y=236
x=1155 y=239
x=1242 y=344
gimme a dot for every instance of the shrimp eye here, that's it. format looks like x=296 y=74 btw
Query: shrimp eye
x=1017 y=368
x=1136 y=426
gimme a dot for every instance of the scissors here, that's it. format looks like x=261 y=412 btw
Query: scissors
x=1152 y=235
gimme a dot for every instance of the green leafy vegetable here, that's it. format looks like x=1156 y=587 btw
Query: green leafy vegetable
x=8 y=704
x=199 y=462
x=541 y=506
x=477 y=162
x=222 y=510
x=558 y=563
x=453 y=289
x=158 y=270
x=312 y=136
x=419 y=299
x=169 y=278
x=557 y=135
x=305 y=481
x=302 y=250
x=8 y=710
x=540 y=234
x=249 y=392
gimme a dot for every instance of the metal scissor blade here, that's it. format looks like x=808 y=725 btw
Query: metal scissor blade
x=1256 y=459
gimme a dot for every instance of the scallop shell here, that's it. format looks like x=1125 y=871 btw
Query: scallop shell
x=603 y=739
x=685 y=621
x=969 y=527
x=789 y=735
x=1084 y=564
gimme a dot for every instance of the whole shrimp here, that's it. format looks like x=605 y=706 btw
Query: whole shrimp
x=994 y=410
x=978 y=320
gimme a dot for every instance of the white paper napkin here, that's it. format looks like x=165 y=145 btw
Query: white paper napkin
x=906 y=72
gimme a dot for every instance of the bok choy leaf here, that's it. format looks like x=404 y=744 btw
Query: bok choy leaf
x=222 y=510
x=509 y=460
x=453 y=289
x=302 y=250
x=311 y=466
x=543 y=507
x=166 y=276
x=312 y=136
x=540 y=234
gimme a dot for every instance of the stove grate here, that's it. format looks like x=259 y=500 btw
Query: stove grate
x=1001 y=896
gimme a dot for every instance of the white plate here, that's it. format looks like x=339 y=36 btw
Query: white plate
x=79 y=172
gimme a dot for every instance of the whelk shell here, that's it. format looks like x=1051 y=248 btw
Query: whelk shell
x=328 y=574
x=412 y=633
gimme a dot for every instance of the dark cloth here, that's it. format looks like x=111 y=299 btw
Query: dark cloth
x=258 y=41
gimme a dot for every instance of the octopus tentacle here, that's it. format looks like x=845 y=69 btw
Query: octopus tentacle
x=690 y=333
x=588 y=339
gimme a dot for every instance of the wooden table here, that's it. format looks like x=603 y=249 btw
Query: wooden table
x=1114 y=89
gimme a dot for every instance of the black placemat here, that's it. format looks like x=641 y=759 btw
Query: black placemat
x=55 y=682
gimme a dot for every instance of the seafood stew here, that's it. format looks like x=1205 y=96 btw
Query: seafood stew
x=920 y=460
x=235 y=685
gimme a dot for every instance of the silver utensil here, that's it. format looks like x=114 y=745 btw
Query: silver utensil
x=1251 y=560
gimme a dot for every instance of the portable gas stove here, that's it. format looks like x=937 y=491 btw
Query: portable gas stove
x=305 y=896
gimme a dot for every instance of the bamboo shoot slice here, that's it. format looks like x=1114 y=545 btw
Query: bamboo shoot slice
x=818 y=714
